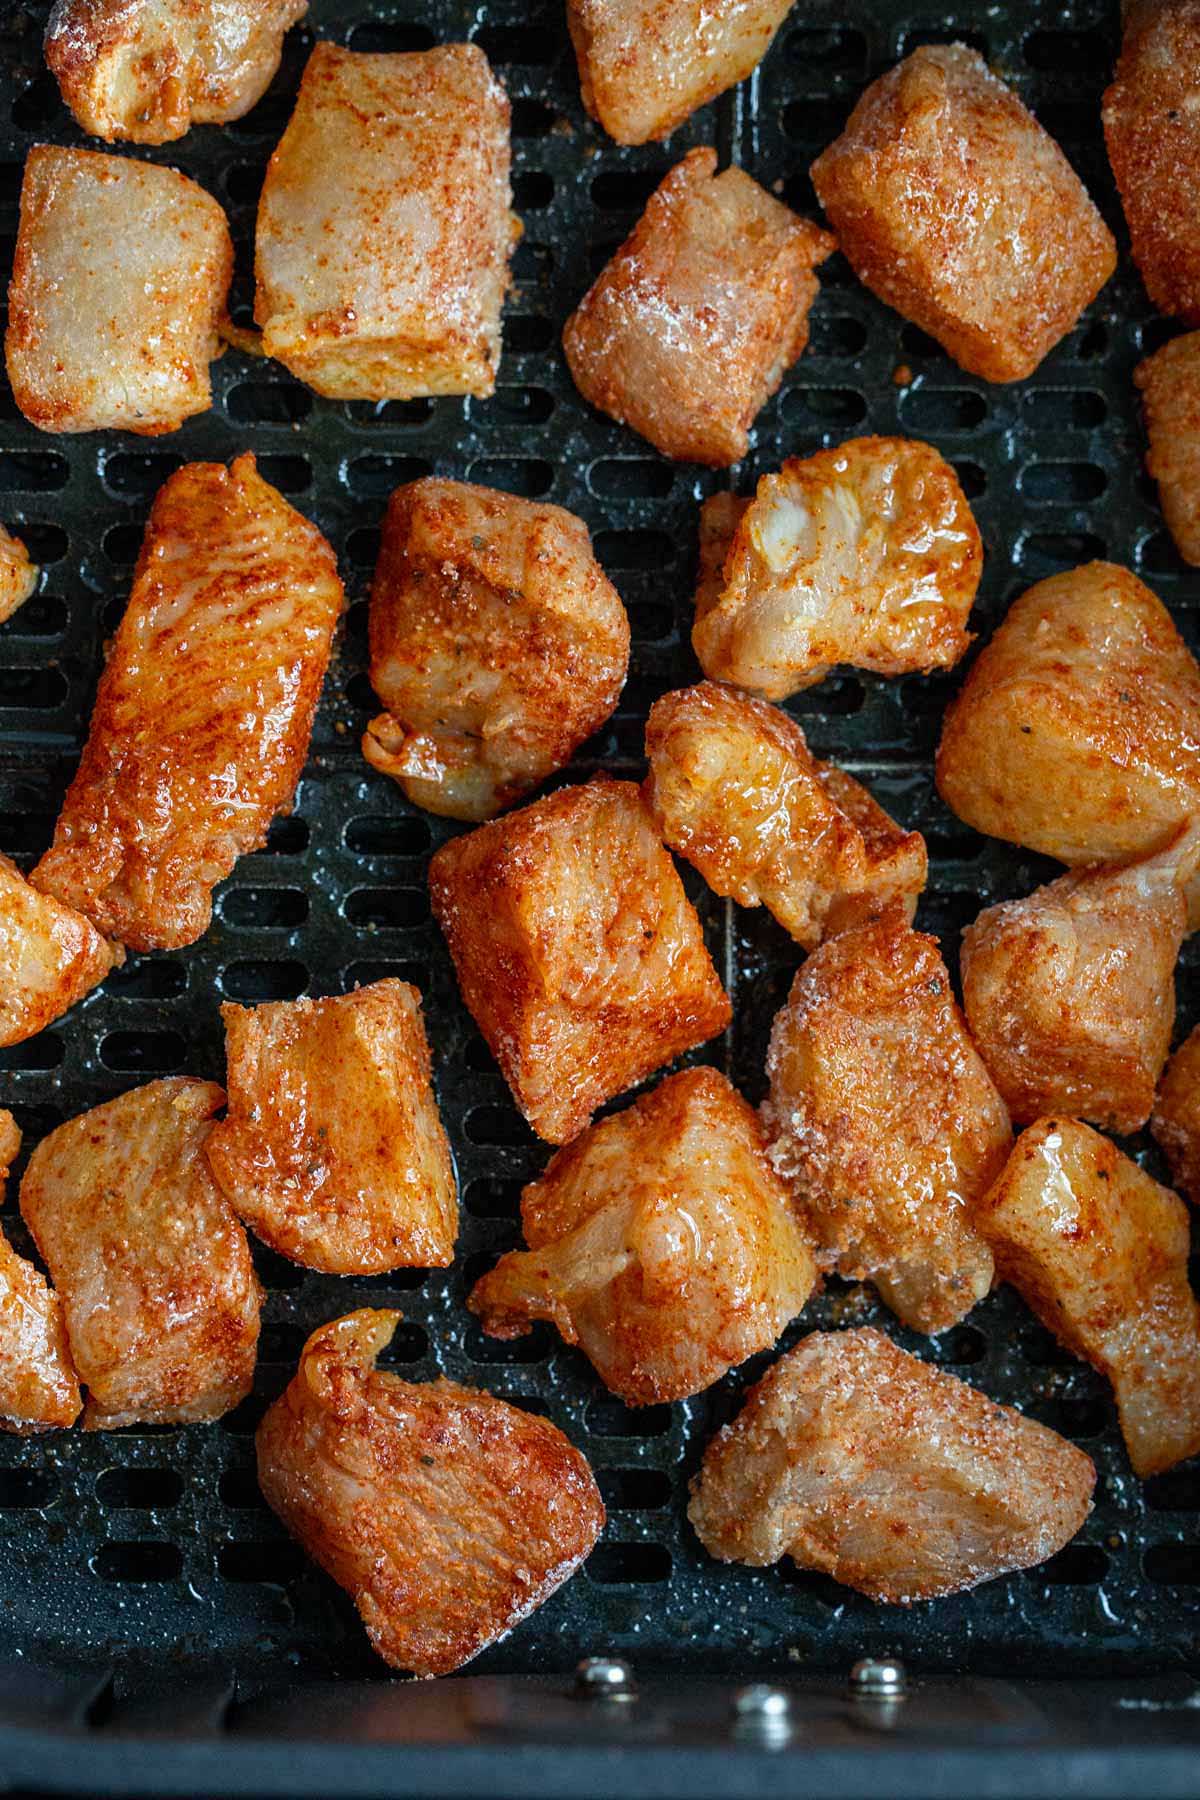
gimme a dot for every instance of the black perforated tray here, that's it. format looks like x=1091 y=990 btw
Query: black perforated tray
x=149 y=1547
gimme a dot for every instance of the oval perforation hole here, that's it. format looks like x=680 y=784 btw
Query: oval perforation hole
x=290 y=474
x=1178 y=1490
x=273 y=1564
x=1047 y=552
x=132 y=1052
x=147 y=978
x=830 y=409
x=1062 y=483
x=386 y=909
x=289 y=836
x=1075 y=1565
x=527 y=334
x=138 y=474
x=146 y=1489
x=1072 y=1418
x=45 y=1051
x=497 y=1127
x=376 y=834
x=264 y=909
x=252 y=981
x=277 y=1273
x=25 y=833
x=1056 y=50
x=609 y=1417
x=530 y=44
x=962 y=1344
x=628 y=1565
x=45 y=543
x=1173 y=1565
x=942 y=409
x=32 y=690
x=239 y=1490
x=528 y=476
x=25 y=1490
x=631 y=478
x=1064 y=409
x=637 y=548
x=373 y=477
x=400 y=34
x=534 y=1347
x=836 y=51
x=624 y=190
x=268 y=403
x=634 y=1490
x=490 y=1197
x=836 y=336
x=520 y=405
x=33 y=471
x=138 y=1562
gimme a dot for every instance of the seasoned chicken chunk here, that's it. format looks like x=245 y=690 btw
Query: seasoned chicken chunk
x=577 y=950
x=154 y=1271
x=332 y=1150
x=497 y=645
x=1176 y=1120
x=381 y=259
x=38 y=1386
x=1152 y=129
x=720 y=516
x=644 y=65
x=852 y=1457
x=204 y=710
x=734 y=788
x=1076 y=731
x=1170 y=388
x=447 y=1515
x=118 y=286
x=1070 y=993
x=954 y=206
x=688 y=331
x=50 y=957
x=1100 y=1252
x=867 y=554
x=661 y=1241
x=884 y=1122
x=146 y=70
x=18 y=576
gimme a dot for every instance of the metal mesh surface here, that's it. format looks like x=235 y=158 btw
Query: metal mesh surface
x=152 y=1544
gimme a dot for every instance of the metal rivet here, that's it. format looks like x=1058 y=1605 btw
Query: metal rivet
x=760 y=1701
x=604 y=1678
x=879 y=1678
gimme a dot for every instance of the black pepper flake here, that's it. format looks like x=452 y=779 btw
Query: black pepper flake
x=427 y=1462
x=1028 y=730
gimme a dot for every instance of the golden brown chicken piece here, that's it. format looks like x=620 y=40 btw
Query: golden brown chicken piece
x=18 y=576
x=688 y=331
x=50 y=957
x=381 y=257
x=147 y=70
x=577 y=950
x=884 y=1122
x=447 y=1515
x=332 y=1150
x=1170 y=388
x=1152 y=129
x=153 y=1270
x=118 y=287
x=38 y=1387
x=734 y=788
x=852 y=1457
x=644 y=65
x=1076 y=730
x=661 y=1241
x=867 y=554
x=204 y=710
x=954 y=206
x=498 y=645
x=1176 y=1120
x=1070 y=993
x=720 y=516
x=1100 y=1252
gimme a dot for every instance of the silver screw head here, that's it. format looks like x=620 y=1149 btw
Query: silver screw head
x=759 y=1701
x=604 y=1678
x=879 y=1678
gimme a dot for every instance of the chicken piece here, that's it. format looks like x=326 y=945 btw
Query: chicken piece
x=18 y=576
x=867 y=554
x=204 y=710
x=953 y=205
x=577 y=950
x=497 y=645
x=38 y=1387
x=447 y=1515
x=1099 y=1251
x=50 y=957
x=884 y=1122
x=381 y=258
x=118 y=287
x=147 y=70
x=1152 y=129
x=1076 y=731
x=720 y=516
x=688 y=331
x=734 y=788
x=332 y=1150
x=661 y=1241
x=1176 y=1120
x=855 y=1458
x=1170 y=387
x=154 y=1271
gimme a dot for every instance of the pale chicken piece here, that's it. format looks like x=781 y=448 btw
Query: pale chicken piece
x=384 y=230
x=1152 y=129
x=147 y=70
x=867 y=554
x=497 y=645
x=1176 y=1120
x=854 y=1458
x=1077 y=731
x=690 y=328
x=1070 y=993
x=118 y=287
x=39 y=1389
x=645 y=65
x=204 y=710
x=1099 y=1251
x=50 y=957
x=661 y=1242
x=447 y=1515
x=884 y=1122
x=735 y=790
x=332 y=1150
x=953 y=205
x=720 y=516
x=1170 y=387
x=153 y=1269
x=18 y=576
x=577 y=950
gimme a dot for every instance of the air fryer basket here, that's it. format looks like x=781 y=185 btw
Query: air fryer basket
x=135 y=1558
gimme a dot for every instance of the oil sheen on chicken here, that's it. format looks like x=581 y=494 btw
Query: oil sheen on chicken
x=38 y=1385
